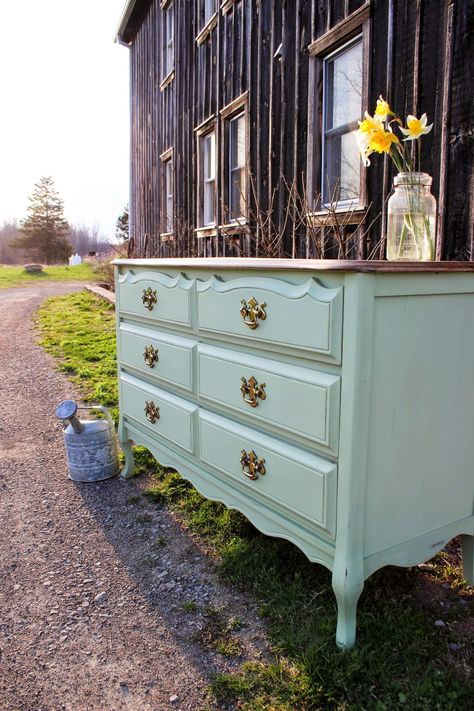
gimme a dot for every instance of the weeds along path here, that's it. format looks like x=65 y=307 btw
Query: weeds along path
x=103 y=598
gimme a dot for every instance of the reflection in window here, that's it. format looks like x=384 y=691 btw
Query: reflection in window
x=209 y=177
x=237 y=145
x=342 y=99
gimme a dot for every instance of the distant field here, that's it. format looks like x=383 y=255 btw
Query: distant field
x=16 y=276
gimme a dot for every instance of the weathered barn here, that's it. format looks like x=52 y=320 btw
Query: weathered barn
x=242 y=112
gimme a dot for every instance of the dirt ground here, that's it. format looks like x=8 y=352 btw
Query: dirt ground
x=97 y=586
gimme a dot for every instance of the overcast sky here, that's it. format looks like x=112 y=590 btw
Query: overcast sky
x=64 y=108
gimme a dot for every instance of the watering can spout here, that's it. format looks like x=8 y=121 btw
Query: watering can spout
x=91 y=445
x=66 y=412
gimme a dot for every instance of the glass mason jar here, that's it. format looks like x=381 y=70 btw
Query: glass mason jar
x=411 y=219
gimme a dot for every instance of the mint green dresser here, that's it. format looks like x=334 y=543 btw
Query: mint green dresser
x=332 y=403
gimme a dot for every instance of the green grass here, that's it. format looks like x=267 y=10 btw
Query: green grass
x=17 y=276
x=79 y=331
x=402 y=660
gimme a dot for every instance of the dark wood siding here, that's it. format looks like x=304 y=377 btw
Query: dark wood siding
x=420 y=57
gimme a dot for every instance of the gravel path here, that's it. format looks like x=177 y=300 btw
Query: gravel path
x=93 y=577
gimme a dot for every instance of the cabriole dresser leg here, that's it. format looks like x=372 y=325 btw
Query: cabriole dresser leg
x=129 y=467
x=347 y=586
x=467 y=543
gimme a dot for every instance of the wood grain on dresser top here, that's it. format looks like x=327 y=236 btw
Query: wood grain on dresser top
x=364 y=423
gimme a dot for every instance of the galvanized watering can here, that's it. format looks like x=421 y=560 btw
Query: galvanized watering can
x=91 y=445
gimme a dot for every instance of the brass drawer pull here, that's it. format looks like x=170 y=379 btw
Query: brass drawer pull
x=252 y=391
x=152 y=412
x=251 y=465
x=149 y=298
x=252 y=311
x=150 y=356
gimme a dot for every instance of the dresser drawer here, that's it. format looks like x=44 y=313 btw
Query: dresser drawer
x=301 y=483
x=156 y=296
x=297 y=400
x=160 y=355
x=263 y=311
x=173 y=416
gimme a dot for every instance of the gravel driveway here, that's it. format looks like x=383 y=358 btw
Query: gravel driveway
x=94 y=614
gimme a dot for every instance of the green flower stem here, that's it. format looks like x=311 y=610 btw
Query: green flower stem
x=402 y=239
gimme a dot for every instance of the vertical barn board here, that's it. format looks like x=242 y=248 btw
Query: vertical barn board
x=381 y=81
x=460 y=179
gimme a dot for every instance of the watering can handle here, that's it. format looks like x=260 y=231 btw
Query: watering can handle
x=102 y=409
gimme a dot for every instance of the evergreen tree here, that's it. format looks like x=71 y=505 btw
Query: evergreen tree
x=121 y=227
x=43 y=234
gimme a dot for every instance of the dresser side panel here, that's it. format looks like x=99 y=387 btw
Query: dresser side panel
x=421 y=448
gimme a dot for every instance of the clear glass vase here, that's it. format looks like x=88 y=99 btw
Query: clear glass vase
x=411 y=219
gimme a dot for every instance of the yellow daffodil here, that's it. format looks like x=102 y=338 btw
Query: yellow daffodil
x=416 y=127
x=370 y=123
x=383 y=109
x=362 y=140
x=381 y=140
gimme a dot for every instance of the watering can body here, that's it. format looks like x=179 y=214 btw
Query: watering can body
x=91 y=445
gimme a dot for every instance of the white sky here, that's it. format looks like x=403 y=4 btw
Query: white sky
x=64 y=108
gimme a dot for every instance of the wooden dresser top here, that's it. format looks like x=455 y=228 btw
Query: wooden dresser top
x=323 y=265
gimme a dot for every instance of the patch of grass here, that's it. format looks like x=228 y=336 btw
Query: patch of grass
x=189 y=606
x=17 y=276
x=79 y=331
x=160 y=542
x=402 y=660
x=217 y=633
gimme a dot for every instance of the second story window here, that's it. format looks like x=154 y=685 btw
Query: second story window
x=168 y=195
x=208 y=178
x=342 y=99
x=236 y=167
x=168 y=39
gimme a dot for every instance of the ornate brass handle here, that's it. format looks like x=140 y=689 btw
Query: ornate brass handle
x=252 y=391
x=251 y=465
x=149 y=298
x=152 y=412
x=150 y=356
x=252 y=311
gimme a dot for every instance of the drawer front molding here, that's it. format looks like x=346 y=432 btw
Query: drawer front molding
x=272 y=469
x=306 y=317
x=167 y=416
x=299 y=401
x=157 y=296
x=173 y=363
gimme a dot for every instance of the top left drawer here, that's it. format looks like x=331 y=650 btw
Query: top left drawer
x=155 y=296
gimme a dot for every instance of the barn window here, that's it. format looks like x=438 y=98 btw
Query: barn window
x=236 y=166
x=342 y=107
x=338 y=92
x=168 y=166
x=207 y=19
x=168 y=39
x=208 y=162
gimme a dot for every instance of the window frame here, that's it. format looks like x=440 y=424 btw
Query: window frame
x=205 y=181
x=238 y=116
x=355 y=25
x=233 y=110
x=167 y=193
x=168 y=38
x=351 y=203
